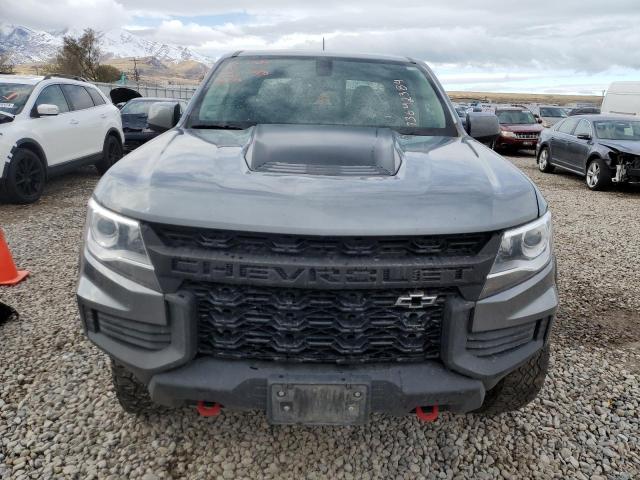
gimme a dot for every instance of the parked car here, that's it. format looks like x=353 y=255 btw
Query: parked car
x=548 y=115
x=134 y=120
x=622 y=98
x=518 y=129
x=462 y=114
x=49 y=125
x=320 y=239
x=604 y=149
x=584 y=111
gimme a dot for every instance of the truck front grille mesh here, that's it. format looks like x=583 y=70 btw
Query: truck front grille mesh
x=300 y=325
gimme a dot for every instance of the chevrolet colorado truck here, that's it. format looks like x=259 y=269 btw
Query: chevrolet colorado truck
x=318 y=237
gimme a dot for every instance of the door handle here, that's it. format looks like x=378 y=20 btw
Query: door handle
x=74 y=122
x=104 y=115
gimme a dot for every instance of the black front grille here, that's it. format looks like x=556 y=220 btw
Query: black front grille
x=527 y=136
x=234 y=242
x=301 y=325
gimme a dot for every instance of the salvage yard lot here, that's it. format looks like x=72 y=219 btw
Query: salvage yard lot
x=59 y=418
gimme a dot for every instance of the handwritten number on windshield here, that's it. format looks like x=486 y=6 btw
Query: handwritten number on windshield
x=407 y=103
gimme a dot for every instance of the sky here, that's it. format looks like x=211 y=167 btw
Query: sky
x=542 y=46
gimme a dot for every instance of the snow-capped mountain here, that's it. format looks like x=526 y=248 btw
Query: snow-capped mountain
x=26 y=45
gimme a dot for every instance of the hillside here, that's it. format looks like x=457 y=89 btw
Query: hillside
x=152 y=71
x=542 y=98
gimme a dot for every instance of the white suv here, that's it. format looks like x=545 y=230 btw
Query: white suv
x=49 y=125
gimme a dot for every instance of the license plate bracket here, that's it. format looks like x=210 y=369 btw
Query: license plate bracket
x=318 y=404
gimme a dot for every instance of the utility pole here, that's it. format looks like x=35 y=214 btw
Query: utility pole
x=136 y=73
x=323 y=44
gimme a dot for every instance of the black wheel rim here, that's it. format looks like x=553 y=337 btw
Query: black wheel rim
x=29 y=176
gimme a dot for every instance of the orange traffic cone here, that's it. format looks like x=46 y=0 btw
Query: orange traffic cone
x=9 y=274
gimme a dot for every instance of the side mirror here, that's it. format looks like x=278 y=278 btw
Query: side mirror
x=539 y=119
x=47 y=110
x=483 y=126
x=584 y=136
x=163 y=116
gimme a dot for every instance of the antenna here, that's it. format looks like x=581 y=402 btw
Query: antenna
x=323 y=44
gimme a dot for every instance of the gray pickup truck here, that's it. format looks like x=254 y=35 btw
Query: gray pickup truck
x=318 y=237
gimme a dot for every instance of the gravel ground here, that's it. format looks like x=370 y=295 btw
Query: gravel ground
x=59 y=417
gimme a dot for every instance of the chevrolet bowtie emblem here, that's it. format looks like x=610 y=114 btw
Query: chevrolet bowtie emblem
x=416 y=300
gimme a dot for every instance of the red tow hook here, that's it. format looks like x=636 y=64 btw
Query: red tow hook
x=208 y=410
x=431 y=416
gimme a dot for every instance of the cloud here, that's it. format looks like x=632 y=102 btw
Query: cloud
x=64 y=14
x=577 y=36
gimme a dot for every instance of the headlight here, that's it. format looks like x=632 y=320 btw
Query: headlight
x=523 y=252
x=508 y=134
x=116 y=242
x=546 y=124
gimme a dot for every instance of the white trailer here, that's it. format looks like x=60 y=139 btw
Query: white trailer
x=622 y=98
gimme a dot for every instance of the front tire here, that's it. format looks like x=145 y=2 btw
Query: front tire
x=544 y=161
x=111 y=153
x=598 y=175
x=132 y=395
x=25 y=178
x=518 y=388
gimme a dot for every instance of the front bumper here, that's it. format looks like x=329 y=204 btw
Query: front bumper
x=527 y=143
x=155 y=336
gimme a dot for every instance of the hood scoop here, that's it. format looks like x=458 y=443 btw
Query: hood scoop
x=324 y=150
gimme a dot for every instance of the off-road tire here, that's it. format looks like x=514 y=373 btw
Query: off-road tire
x=111 y=153
x=544 y=161
x=25 y=178
x=131 y=393
x=518 y=388
x=601 y=179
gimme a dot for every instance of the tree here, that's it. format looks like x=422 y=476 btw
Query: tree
x=6 y=65
x=107 y=74
x=79 y=56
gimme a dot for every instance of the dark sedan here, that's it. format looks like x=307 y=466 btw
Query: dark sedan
x=604 y=149
x=134 y=120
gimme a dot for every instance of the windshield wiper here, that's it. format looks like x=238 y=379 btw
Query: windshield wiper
x=7 y=114
x=221 y=126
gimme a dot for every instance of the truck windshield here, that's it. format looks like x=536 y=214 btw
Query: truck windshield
x=618 y=130
x=515 y=117
x=13 y=96
x=246 y=91
x=552 y=112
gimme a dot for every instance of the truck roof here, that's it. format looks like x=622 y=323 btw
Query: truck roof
x=329 y=54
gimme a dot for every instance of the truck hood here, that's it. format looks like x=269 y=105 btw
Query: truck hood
x=203 y=178
x=552 y=120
